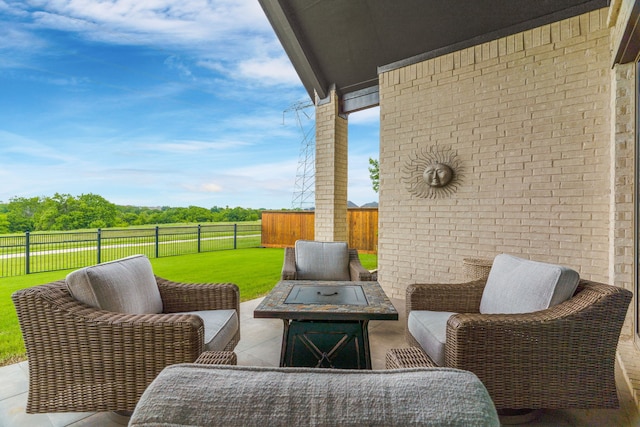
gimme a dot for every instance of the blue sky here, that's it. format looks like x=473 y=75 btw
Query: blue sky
x=155 y=103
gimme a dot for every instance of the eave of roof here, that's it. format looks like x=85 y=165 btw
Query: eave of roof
x=345 y=44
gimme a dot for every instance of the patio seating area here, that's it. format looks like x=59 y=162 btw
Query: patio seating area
x=260 y=346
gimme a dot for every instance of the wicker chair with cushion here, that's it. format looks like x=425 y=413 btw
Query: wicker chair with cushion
x=312 y=260
x=96 y=340
x=535 y=334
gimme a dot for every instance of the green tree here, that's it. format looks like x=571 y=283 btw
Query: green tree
x=374 y=173
x=65 y=212
x=96 y=212
x=4 y=223
x=21 y=212
x=198 y=214
x=57 y=213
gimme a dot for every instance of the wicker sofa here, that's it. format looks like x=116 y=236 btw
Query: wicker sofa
x=555 y=358
x=207 y=395
x=83 y=358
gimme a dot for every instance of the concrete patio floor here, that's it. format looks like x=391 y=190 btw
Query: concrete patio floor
x=260 y=345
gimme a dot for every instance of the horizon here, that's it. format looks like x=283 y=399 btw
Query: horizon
x=349 y=205
x=166 y=103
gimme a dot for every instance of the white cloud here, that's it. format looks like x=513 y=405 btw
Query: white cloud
x=202 y=187
x=161 y=21
x=13 y=8
x=186 y=146
x=25 y=150
x=16 y=39
x=368 y=116
x=211 y=187
x=269 y=71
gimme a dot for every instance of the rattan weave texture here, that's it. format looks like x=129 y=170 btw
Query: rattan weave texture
x=477 y=268
x=217 y=358
x=411 y=357
x=84 y=359
x=562 y=357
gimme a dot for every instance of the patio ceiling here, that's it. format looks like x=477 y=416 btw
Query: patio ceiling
x=347 y=42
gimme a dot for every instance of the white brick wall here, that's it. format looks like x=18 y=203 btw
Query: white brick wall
x=331 y=173
x=529 y=117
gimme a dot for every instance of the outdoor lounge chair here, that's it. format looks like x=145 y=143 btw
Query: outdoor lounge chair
x=84 y=358
x=553 y=358
x=312 y=260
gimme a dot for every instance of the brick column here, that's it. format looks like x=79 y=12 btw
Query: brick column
x=331 y=175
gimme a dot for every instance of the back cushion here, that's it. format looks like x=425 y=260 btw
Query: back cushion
x=322 y=260
x=126 y=285
x=517 y=285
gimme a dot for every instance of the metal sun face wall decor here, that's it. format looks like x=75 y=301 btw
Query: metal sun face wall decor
x=432 y=172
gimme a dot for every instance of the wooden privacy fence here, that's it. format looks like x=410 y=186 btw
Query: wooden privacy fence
x=282 y=228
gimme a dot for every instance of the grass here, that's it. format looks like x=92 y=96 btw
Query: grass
x=255 y=271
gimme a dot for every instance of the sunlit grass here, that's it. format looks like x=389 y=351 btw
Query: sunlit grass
x=255 y=271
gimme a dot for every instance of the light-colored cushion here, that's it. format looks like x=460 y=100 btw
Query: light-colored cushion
x=322 y=260
x=517 y=285
x=127 y=285
x=429 y=328
x=220 y=326
x=222 y=395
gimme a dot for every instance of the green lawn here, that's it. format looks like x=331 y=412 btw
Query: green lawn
x=255 y=271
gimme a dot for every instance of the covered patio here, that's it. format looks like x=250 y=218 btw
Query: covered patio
x=533 y=106
x=260 y=346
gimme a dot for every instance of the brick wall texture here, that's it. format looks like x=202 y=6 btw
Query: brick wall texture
x=546 y=167
x=331 y=178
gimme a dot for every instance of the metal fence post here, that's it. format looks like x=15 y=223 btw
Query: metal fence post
x=157 y=241
x=26 y=253
x=199 y=236
x=235 y=236
x=99 y=244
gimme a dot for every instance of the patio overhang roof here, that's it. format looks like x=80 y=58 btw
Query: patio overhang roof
x=345 y=44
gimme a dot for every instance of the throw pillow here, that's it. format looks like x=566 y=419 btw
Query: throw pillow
x=127 y=285
x=517 y=285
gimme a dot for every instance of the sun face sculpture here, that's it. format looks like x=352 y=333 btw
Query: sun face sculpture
x=432 y=172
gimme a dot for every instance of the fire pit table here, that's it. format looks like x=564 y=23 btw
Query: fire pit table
x=325 y=322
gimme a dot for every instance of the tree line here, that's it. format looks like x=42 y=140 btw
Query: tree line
x=65 y=212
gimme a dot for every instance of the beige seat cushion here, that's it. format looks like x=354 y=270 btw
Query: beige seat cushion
x=517 y=285
x=127 y=285
x=322 y=260
x=220 y=326
x=429 y=328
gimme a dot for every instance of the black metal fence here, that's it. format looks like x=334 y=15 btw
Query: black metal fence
x=40 y=252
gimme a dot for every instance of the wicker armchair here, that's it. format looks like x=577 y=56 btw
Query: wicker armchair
x=85 y=359
x=558 y=358
x=357 y=271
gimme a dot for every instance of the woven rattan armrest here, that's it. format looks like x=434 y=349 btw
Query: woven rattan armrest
x=411 y=357
x=289 y=271
x=357 y=272
x=454 y=297
x=179 y=297
x=217 y=358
